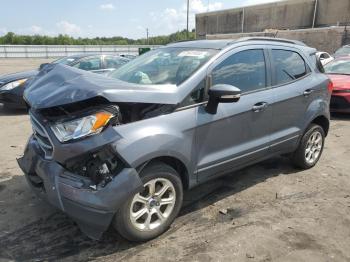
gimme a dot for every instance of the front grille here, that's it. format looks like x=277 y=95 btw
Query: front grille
x=338 y=102
x=42 y=137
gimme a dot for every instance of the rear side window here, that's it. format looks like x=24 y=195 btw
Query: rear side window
x=288 y=65
x=88 y=64
x=317 y=61
x=114 y=62
x=245 y=70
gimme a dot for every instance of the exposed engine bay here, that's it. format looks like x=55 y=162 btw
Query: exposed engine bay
x=124 y=112
x=101 y=166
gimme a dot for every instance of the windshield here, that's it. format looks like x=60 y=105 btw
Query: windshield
x=65 y=60
x=344 y=51
x=338 y=67
x=169 y=65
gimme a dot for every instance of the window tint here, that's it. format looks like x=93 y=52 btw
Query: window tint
x=92 y=63
x=288 y=66
x=245 y=70
x=114 y=61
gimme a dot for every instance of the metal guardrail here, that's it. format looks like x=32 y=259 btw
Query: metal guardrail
x=52 y=51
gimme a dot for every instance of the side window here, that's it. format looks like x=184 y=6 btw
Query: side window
x=324 y=56
x=198 y=95
x=114 y=62
x=245 y=70
x=88 y=64
x=289 y=66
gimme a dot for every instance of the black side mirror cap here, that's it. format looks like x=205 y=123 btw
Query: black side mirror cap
x=42 y=66
x=221 y=93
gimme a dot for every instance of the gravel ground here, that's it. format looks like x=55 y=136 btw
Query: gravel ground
x=268 y=212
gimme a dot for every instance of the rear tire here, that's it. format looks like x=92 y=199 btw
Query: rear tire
x=159 y=203
x=310 y=147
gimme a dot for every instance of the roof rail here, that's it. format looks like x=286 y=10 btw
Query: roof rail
x=256 y=38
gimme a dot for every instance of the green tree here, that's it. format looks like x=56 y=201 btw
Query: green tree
x=12 y=39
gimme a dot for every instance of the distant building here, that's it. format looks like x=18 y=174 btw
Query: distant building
x=269 y=19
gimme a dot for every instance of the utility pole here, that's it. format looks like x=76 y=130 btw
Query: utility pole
x=188 y=10
x=147 y=36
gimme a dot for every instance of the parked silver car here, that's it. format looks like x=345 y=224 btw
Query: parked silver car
x=121 y=150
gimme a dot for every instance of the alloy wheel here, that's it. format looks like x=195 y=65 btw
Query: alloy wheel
x=313 y=147
x=151 y=208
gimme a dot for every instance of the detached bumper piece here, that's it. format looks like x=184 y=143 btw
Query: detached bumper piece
x=93 y=210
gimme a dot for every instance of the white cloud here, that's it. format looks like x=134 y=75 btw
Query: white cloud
x=3 y=31
x=64 y=27
x=35 y=29
x=172 y=19
x=197 y=6
x=107 y=7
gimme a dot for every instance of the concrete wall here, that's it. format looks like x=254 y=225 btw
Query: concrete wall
x=292 y=14
x=325 y=39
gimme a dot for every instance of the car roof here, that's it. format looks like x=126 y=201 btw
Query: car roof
x=345 y=57
x=223 y=43
x=78 y=56
x=206 y=44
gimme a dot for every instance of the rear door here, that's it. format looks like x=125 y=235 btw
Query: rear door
x=293 y=86
x=238 y=134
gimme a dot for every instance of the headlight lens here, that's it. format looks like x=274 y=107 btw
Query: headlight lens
x=78 y=128
x=13 y=84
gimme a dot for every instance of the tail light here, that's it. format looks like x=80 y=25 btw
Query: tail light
x=330 y=87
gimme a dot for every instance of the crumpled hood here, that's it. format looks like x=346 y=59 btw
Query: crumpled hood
x=16 y=76
x=65 y=85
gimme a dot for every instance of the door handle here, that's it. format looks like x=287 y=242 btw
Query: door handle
x=260 y=106
x=308 y=92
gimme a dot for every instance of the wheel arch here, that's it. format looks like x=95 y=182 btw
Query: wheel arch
x=323 y=122
x=173 y=162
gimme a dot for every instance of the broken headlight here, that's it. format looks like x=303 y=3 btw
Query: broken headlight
x=81 y=127
x=14 y=84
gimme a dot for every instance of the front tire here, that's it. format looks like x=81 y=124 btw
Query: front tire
x=310 y=147
x=149 y=213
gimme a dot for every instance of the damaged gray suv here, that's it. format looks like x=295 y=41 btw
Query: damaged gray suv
x=120 y=150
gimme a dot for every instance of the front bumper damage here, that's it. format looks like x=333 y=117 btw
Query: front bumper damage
x=13 y=99
x=93 y=210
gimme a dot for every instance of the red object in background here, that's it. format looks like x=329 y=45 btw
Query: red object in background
x=340 y=101
x=330 y=87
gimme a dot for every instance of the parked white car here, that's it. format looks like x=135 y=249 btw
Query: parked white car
x=324 y=57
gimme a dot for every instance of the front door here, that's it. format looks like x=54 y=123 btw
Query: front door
x=238 y=133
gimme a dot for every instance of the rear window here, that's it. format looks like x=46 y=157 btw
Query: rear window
x=343 y=51
x=289 y=66
x=339 y=66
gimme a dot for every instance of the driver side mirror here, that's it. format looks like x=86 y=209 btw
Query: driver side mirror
x=221 y=93
x=42 y=66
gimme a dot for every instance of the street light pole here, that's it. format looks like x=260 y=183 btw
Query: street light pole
x=147 y=36
x=188 y=10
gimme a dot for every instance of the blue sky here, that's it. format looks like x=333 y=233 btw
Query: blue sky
x=90 y=18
